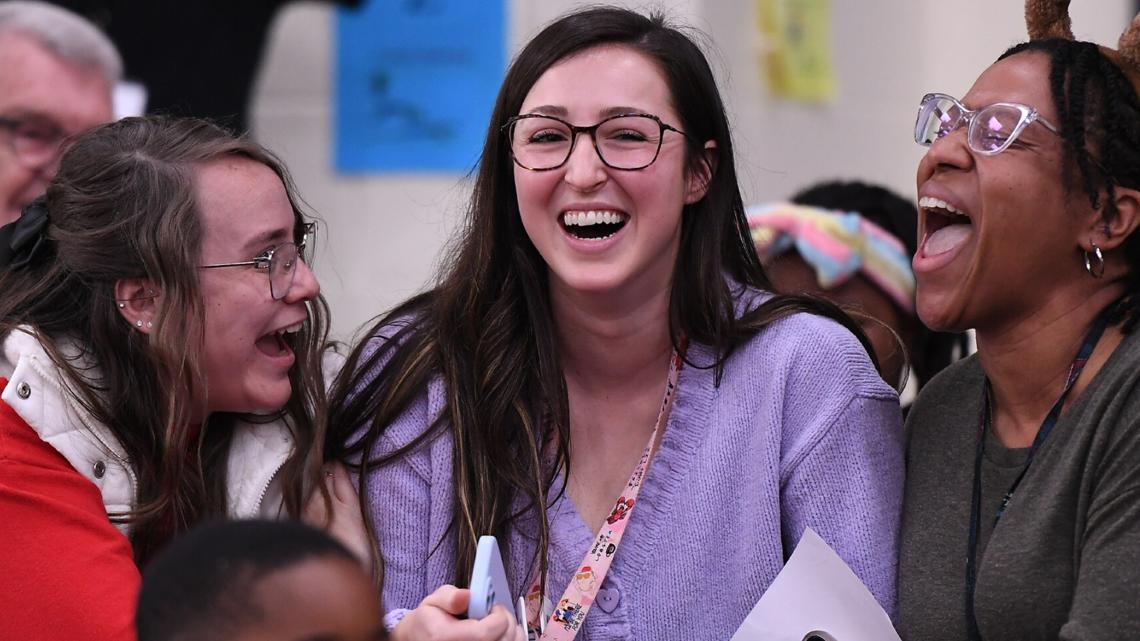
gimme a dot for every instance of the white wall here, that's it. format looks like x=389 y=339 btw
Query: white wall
x=383 y=235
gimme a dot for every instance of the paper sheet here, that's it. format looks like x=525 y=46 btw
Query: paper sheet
x=816 y=592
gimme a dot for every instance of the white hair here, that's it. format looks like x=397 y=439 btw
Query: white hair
x=66 y=35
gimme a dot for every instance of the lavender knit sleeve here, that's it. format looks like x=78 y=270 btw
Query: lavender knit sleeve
x=842 y=470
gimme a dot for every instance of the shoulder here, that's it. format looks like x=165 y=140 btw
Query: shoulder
x=944 y=402
x=812 y=353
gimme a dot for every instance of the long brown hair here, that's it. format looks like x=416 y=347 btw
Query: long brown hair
x=486 y=329
x=123 y=206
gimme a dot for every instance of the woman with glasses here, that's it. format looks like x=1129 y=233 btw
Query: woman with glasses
x=144 y=388
x=1022 y=510
x=600 y=379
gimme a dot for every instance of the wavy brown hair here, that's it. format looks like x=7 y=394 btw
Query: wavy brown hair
x=123 y=206
x=486 y=328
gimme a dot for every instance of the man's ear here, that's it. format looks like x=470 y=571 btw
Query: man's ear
x=136 y=300
x=701 y=176
x=1110 y=234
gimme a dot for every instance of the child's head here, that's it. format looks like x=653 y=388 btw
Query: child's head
x=254 y=580
x=852 y=242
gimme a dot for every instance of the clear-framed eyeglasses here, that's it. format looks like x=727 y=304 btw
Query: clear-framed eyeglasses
x=35 y=142
x=279 y=263
x=625 y=141
x=990 y=130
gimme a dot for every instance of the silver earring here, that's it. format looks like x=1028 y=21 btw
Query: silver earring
x=149 y=324
x=138 y=323
x=122 y=305
x=1097 y=270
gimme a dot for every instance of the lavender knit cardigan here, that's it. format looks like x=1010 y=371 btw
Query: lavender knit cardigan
x=801 y=432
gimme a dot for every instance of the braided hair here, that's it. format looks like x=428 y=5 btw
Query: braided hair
x=1099 y=118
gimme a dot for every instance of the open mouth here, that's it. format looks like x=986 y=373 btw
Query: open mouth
x=946 y=226
x=280 y=342
x=593 y=225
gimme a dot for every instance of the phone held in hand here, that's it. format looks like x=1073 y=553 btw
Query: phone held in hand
x=488 y=580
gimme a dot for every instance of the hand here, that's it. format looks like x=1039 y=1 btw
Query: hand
x=341 y=517
x=435 y=619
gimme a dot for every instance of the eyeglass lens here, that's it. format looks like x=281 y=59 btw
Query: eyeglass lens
x=625 y=142
x=35 y=142
x=991 y=130
x=282 y=268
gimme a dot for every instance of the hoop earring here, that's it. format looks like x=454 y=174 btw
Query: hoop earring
x=1098 y=270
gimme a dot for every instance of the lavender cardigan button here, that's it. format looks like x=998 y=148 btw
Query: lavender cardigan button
x=608 y=599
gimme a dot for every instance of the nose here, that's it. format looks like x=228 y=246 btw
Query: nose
x=584 y=169
x=950 y=152
x=305 y=285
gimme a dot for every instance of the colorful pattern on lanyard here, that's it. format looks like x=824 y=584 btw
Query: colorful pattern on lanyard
x=984 y=420
x=570 y=613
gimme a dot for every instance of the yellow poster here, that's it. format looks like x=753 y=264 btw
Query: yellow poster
x=796 y=48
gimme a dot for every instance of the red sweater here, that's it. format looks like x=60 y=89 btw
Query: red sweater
x=66 y=573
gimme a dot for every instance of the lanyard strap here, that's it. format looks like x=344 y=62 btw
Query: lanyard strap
x=984 y=419
x=566 y=620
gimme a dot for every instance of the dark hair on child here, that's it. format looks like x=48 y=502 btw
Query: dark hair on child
x=201 y=587
x=933 y=351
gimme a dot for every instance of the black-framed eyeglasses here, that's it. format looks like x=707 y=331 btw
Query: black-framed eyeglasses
x=279 y=262
x=34 y=142
x=628 y=141
x=990 y=130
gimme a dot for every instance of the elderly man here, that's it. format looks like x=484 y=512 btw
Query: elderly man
x=57 y=72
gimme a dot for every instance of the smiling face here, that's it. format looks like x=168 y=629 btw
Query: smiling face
x=50 y=96
x=603 y=231
x=246 y=356
x=998 y=235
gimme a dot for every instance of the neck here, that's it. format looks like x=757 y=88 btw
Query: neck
x=611 y=343
x=1027 y=361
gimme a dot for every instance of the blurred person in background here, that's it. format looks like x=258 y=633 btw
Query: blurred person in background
x=852 y=242
x=57 y=73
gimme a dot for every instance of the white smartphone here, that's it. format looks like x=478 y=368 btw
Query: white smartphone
x=488 y=580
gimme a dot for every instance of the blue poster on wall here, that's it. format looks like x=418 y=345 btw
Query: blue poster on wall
x=415 y=84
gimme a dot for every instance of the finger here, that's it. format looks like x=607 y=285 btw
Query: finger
x=499 y=624
x=449 y=598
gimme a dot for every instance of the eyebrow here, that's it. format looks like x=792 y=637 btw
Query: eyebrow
x=264 y=239
x=562 y=112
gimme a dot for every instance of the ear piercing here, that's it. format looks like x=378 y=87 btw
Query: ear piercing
x=138 y=323
x=122 y=305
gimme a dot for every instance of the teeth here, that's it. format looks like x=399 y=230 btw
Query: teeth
x=292 y=329
x=929 y=202
x=587 y=218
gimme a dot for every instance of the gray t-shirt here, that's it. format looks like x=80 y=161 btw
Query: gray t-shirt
x=1064 y=561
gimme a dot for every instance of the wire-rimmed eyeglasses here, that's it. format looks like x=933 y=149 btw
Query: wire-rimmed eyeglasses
x=279 y=263
x=628 y=141
x=34 y=142
x=990 y=130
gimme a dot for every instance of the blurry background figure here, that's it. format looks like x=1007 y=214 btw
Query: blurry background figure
x=247 y=580
x=57 y=72
x=193 y=58
x=852 y=243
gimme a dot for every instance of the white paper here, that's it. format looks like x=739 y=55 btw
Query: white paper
x=816 y=592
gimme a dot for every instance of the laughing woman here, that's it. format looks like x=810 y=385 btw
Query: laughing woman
x=159 y=365
x=600 y=379
x=1022 y=511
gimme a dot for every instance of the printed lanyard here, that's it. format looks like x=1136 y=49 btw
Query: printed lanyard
x=566 y=620
x=984 y=426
